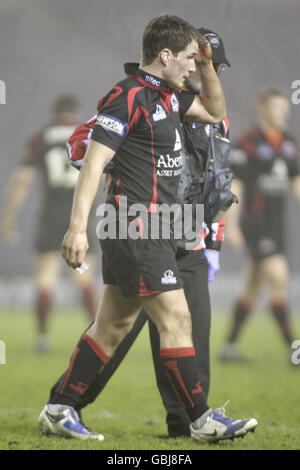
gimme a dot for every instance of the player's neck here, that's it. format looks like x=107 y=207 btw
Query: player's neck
x=156 y=68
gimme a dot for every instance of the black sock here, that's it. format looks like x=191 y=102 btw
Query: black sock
x=101 y=380
x=281 y=314
x=241 y=310
x=86 y=363
x=181 y=369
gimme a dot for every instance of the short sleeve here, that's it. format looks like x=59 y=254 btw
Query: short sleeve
x=185 y=99
x=112 y=119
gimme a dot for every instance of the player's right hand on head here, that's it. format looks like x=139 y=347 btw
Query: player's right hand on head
x=205 y=52
x=74 y=248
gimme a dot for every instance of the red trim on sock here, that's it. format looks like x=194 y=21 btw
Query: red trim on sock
x=197 y=389
x=166 y=353
x=175 y=390
x=172 y=365
x=96 y=348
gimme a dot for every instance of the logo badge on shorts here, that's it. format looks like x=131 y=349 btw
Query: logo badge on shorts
x=111 y=124
x=168 y=277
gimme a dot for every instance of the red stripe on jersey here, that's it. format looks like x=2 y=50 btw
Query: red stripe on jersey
x=167 y=101
x=99 y=103
x=112 y=97
x=152 y=208
x=135 y=118
x=117 y=197
x=130 y=99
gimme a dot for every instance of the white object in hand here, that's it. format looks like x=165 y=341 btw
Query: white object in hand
x=84 y=267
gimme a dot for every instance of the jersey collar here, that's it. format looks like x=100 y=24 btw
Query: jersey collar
x=132 y=70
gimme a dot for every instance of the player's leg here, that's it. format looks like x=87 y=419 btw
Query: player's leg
x=276 y=272
x=194 y=273
x=242 y=309
x=47 y=272
x=169 y=311
x=101 y=380
x=86 y=284
x=114 y=318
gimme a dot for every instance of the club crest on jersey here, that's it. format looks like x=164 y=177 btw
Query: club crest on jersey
x=168 y=277
x=159 y=114
x=174 y=103
x=111 y=124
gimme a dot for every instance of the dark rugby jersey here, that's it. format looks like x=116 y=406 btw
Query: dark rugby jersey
x=196 y=143
x=265 y=163
x=140 y=119
x=46 y=151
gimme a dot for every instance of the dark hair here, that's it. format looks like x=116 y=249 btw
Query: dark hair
x=264 y=95
x=65 y=103
x=166 y=31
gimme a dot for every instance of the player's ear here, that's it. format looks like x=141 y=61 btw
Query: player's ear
x=165 y=55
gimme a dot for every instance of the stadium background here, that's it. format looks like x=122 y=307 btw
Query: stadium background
x=54 y=46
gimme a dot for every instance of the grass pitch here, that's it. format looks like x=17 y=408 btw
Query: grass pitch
x=129 y=412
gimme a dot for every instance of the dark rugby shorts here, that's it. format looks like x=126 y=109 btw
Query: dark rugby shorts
x=140 y=267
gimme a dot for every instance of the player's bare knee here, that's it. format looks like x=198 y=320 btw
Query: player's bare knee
x=177 y=323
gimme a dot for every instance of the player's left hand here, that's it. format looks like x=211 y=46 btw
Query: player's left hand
x=213 y=263
x=204 y=56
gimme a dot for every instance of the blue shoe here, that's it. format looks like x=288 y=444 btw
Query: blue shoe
x=214 y=426
x=64 y=421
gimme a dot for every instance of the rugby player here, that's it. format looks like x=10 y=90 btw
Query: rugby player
x=45 y=155
x=198 y=261
x=265 y=161
x=139 y=125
